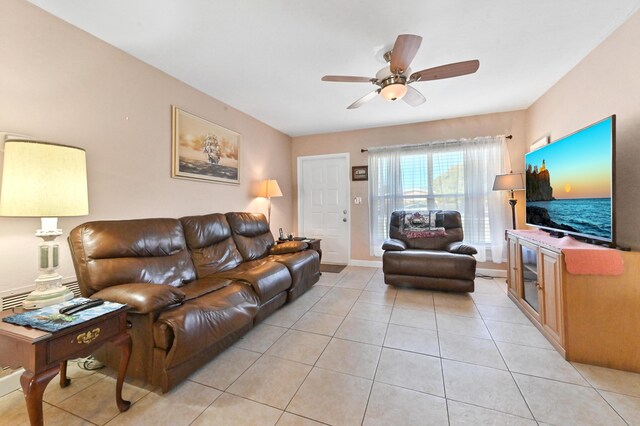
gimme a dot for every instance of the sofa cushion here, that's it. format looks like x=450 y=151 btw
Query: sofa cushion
x=304 y=268
x=107 y=253
x=203 y=286
x=251 y=234
x=429 y=263
x=200 y=323
x=212 y=246
x=267 y=279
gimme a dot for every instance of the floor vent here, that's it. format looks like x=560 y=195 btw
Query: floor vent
x=15 y=300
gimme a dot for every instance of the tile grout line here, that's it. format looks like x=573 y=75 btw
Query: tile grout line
x=312 y=367
x=509 y=370
x=256 y=360
x=375 y=373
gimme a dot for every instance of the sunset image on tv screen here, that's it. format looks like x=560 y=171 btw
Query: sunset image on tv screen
x=569 y=183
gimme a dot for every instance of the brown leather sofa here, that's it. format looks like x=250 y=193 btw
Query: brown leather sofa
x=436 y=262
x=195 y=285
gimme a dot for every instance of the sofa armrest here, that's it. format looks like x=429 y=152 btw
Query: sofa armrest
x=143 y=298
x=288 y=247
x=459 y=247
x=394 y=245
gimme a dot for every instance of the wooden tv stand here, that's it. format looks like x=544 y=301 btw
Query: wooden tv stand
x=592 y=319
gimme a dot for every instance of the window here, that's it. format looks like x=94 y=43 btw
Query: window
x=455 y=175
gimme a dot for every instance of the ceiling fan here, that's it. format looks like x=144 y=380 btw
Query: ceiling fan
x=394 y=80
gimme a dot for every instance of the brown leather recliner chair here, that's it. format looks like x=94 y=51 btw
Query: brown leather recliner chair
x=439 y=261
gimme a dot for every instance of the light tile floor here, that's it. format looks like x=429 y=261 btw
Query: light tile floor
x=353 y=351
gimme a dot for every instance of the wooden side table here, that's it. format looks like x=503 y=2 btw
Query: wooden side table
x=314 y=244
x=43 y=354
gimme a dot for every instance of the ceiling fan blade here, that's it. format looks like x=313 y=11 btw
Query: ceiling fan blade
x=366 y=98
x=348 y=79
x=404 y=50
x=446 y=71
x=413 y=97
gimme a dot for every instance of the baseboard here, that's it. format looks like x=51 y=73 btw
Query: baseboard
x=497 y=273
x=367 y=263
x=11 y=382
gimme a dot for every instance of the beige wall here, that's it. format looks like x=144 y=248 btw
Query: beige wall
x=606 y=82
x=467 y=127
x=59 y=84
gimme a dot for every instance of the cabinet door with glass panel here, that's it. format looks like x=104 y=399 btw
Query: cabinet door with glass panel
x=531 y=290
x=513 y=278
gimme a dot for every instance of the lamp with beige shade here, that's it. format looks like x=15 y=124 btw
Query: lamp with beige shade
x=46 y=180
x=269 y=188
x=510 y=182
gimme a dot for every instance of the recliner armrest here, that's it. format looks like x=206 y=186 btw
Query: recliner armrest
x=394 y=245
x=142 y=297
x=288 y=247
x=459 y=247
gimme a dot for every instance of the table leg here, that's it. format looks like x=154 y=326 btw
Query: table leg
x=64 y=381
x=33 y=386
x=124 y=341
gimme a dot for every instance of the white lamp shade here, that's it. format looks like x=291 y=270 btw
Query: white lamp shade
x=270 y=188
x=394 y=91
x=41 y=179
x=508 y=182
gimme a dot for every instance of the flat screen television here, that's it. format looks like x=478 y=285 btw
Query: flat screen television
x=570 y=184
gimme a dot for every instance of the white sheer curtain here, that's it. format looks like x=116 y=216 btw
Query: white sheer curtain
x=450 y=175
x=385 y=193
x=484 y=209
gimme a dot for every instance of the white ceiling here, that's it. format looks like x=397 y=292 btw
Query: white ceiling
x=266 y=57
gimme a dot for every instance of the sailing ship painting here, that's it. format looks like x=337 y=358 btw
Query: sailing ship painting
x=203 y=150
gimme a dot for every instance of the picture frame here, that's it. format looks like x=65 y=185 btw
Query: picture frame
x=202 y=150
x=539 y=143
x=359 y=173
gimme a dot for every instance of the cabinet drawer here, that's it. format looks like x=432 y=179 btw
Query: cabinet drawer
x=88 y=337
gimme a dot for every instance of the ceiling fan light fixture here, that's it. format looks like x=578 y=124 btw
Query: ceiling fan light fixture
x=393 y=92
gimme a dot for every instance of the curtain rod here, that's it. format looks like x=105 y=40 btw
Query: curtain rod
x=506 y=137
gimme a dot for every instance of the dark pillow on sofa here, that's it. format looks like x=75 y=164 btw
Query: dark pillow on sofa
x=288 y=247
x=461 y=248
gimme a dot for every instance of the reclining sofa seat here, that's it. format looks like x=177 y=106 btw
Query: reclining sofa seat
x=434 y=262
x=238 y=246
x=181 y=316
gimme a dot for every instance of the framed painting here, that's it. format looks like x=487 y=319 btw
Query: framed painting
x=360 y=173
x=203 y=150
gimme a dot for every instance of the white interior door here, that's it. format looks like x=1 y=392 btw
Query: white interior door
x=323 y=200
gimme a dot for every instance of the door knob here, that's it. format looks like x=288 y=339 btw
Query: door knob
x=344 y=219
x=344 y=211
